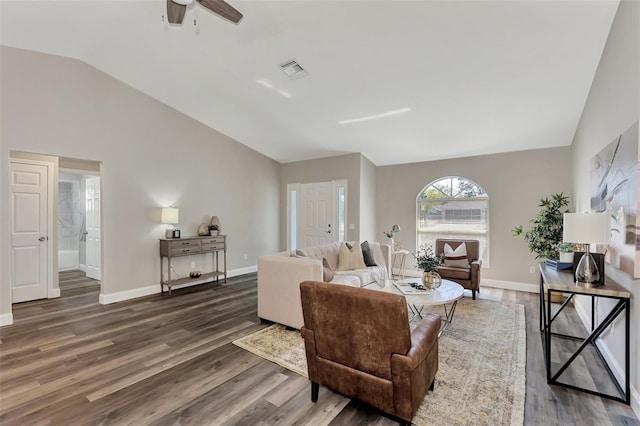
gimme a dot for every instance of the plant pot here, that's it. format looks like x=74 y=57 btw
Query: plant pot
x=566 y=257
x=214 y=233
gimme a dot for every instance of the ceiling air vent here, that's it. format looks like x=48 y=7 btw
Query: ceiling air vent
x=293 y=69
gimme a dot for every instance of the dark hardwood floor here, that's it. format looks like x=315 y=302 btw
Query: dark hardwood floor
x=169 y=360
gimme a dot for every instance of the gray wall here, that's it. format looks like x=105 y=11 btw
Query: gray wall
x=368 y=197
x=152 y=156
x=612 y=107
x=515 y=183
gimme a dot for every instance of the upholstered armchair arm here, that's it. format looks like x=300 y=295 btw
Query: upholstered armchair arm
x=414 y=371
x=310 y=349
x=422 y=339
x=476 y=265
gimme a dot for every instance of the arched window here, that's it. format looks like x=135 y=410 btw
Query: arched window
x=453 y=207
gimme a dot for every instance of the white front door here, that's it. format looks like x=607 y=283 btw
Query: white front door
x=30 y=264
x=93 y=227
x=315 y=215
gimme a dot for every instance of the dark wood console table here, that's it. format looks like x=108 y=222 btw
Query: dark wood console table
x=563 y=282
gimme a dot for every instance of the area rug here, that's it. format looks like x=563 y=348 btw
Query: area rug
x=481 y=376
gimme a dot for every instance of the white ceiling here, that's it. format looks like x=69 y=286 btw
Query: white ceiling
x=479 y=77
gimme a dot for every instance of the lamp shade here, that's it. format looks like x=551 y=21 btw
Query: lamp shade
x=169 y=215
x=586 y=228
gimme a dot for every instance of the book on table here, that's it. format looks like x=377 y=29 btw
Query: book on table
x=407 y=288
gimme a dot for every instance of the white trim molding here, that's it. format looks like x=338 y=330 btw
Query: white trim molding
x=121 y=296
x=510 y=285
x=242 y=271
x=488 y=282
x=6 y=319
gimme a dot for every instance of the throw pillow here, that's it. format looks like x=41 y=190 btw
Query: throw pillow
x=456 y=258
x=298 y=253
x=327 y=272
x=368 y=256
x=350 y=259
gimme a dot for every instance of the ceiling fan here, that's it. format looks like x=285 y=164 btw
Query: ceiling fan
x=176 y=9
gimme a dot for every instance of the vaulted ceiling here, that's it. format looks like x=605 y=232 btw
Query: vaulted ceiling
x=434 y=79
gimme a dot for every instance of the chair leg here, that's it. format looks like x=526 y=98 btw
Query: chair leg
x=473 y=294
x=315 y=387
x=433 y=385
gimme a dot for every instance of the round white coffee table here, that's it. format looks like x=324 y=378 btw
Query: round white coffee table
x=448 y=293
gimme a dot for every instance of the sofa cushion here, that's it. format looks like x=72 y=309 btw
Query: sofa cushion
x=372 y=274
x=327 y=272
x=457 y=257
x=298 y=253
x=345 y=279
x=454 y=272
x=368 y=256
x=350 y=259
x=328 y=251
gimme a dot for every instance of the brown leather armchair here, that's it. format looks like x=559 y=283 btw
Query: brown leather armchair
x=468 y=278
x=358 y=343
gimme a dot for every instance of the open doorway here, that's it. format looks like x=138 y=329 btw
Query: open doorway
x=79 y=271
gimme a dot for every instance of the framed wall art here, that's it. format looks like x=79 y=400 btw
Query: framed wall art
x=615 y=172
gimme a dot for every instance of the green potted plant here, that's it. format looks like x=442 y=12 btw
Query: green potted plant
x=428 y=263
x=214 y=229
x=546 y=230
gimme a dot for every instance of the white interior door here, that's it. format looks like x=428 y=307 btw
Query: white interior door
x=93 y=227
x=30 y=266
x=315 y=215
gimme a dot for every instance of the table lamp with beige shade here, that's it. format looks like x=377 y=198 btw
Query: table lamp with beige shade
x=587 y=229
x=169 y=216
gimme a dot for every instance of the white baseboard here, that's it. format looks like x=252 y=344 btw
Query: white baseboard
x=507 y=285
x=617 y=370
x=6 y=319
x=510 y=285
x=121 y=296
x=82 y=267
x=53 y=293
x=242 y=271
x=635 y=401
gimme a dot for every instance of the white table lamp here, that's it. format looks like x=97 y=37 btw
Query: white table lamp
x=169 y=216
x=587 y=228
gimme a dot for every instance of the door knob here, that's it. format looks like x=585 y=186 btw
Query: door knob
x=41 y=239
x=328 y=232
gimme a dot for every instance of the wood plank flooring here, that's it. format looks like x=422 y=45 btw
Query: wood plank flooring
x=162 y=360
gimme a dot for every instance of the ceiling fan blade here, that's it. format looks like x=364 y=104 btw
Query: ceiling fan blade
x=175 y=12
x=223 y=9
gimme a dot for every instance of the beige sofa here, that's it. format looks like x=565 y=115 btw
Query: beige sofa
x=280 y=275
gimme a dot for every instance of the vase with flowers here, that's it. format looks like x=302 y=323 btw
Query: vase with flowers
x=428 y=263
